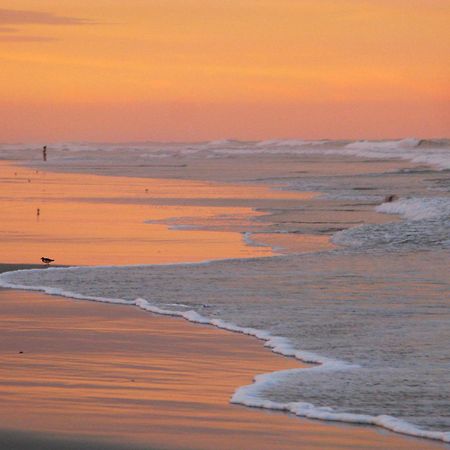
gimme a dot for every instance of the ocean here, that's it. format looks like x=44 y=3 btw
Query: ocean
x=371 y=313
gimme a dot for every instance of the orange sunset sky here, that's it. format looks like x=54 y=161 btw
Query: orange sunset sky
x=130 y=70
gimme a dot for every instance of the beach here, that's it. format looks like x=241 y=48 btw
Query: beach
x=224 y=225
x=97 y=375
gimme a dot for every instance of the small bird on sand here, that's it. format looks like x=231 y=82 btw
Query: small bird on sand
x=46 y=260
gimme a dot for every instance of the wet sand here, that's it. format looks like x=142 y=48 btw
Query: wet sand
x=96 y=220
x=93 y=373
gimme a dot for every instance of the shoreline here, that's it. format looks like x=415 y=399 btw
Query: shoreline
x=246 y=395
x=297 y=419
x=62 y=218
x=134 y=349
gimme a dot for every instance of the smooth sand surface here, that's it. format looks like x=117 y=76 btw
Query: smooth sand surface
x=114 y=374
x=96 y=220
x=75 y=373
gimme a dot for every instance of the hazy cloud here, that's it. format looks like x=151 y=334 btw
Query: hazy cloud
x=16 y=17
x=20 y=38
x=8 y=29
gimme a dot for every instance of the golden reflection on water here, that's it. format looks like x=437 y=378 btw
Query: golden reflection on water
x=90 y=219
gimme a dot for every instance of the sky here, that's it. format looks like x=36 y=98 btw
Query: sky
x=192 y=70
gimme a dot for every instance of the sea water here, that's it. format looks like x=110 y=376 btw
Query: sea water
x=373 y=313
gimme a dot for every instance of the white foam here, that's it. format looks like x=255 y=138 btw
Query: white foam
x=417 y=208
x=247 y=237
x=222 y=142
x=435 y=153
x=406 y=149
x=384 y=145
x=251 y=395
x=290 y=143
x=56 y=291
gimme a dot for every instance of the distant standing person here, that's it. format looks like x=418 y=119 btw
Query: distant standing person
x=44 y=153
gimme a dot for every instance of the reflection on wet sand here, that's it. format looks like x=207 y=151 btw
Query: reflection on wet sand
x=89 y=219
x=117 y=373
x=85 y=369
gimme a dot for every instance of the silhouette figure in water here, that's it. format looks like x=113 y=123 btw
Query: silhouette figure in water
x=46 y=260
x=44 y=153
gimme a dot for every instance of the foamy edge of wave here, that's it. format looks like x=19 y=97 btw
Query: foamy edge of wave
x=251 y=395
x=430 y=152
x=416 y=208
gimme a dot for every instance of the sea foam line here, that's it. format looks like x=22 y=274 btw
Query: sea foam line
x=417 y=208
x=251 y=395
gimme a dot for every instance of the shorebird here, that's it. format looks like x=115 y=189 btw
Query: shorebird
x=46 y=260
